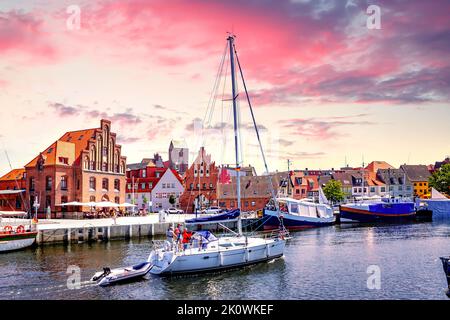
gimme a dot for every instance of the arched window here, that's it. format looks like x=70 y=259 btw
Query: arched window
x=86 y=163
x=122 y=167
x=117 y=200
x=92 y=158
x=92 y=183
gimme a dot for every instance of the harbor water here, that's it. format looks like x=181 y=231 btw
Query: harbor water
x=327 y=263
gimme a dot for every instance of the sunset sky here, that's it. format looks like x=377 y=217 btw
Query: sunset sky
x=324 y=86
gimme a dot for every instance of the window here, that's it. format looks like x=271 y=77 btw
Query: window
x=117 y=185
x=157 y=174
x=391 y=188
x=204 y=186
x=105 y=184
x=191 y=186
x=92 y=182
x=253 y=203
x=383 y=189
x=105 y=151
x=117 y=200
x=64 y=160
x=78 y=184
x=48 y=201
x=18 y=203
x=400 y=188
x=104 y=166
x=420 y=184
x=246 y=203
x=211 y=186
x=150 y=185
x=408 y=188
x=198 y=185
x=143 y=185
x=372 y=189
x=359 y=190
x=63 y=183
x=32 y=184
x=48 y=183
x=92 y=198
x=144 y=173
x=163 y=185
x=173 y=185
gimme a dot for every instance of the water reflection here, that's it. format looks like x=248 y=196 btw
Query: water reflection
x=326 y=263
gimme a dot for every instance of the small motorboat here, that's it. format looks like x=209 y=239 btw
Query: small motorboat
x=446 y=265
x=112 y=276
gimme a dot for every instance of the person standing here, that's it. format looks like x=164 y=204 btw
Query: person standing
x=170 y=235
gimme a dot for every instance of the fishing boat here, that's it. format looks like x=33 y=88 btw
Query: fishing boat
x=299 y=214
x=446 y=266
x=386 y=209
x=234 y=251
x=16 y=232
x=109 y=276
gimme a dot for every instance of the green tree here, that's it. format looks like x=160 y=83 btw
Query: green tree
x=440 y=179
x=333 y=191
x=172 y=200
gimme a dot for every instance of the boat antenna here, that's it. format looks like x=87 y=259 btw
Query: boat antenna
x=236 y=129
x=272 y=190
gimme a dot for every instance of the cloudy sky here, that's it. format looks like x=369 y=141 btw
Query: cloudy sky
x=325 y=88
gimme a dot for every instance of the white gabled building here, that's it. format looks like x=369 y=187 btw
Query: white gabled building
x=169 y=184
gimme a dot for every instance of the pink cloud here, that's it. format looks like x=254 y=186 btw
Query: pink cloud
x=23 y=33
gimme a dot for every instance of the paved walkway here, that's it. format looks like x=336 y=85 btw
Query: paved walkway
x=51 y=224
x=45 y=224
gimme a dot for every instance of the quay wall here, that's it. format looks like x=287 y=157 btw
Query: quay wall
x=89 y=233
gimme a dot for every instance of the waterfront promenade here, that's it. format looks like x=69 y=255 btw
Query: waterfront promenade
x=65 y=231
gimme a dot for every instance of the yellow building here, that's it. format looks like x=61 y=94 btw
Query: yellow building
x=418 y=175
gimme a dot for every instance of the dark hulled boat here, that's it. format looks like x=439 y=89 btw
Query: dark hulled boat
x=446 y=266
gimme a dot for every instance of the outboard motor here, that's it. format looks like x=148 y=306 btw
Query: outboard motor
x=106 y=271
x=446 y=265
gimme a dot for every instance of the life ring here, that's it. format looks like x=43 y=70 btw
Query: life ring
x=20 y=229
x=7 y=228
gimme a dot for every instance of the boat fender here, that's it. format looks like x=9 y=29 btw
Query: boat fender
x=20 y=229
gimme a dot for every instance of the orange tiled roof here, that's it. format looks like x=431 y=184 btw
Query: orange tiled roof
x=15 y=174
x=375 y=165
x=79 y=138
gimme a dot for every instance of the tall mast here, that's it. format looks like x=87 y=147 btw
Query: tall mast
x=236 y=129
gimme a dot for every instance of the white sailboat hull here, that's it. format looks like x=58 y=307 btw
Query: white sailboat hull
x=216 y=257
x=12 y=245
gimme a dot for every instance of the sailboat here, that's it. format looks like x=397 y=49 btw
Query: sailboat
x=210 y=253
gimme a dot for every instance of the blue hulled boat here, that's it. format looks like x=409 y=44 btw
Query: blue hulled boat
x=384 y=210
x=229 y=216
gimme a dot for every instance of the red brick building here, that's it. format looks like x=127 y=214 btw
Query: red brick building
x=85 y=166
x=13 y=180
x=255 y=192
x=200 y=183
x=151 y=185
